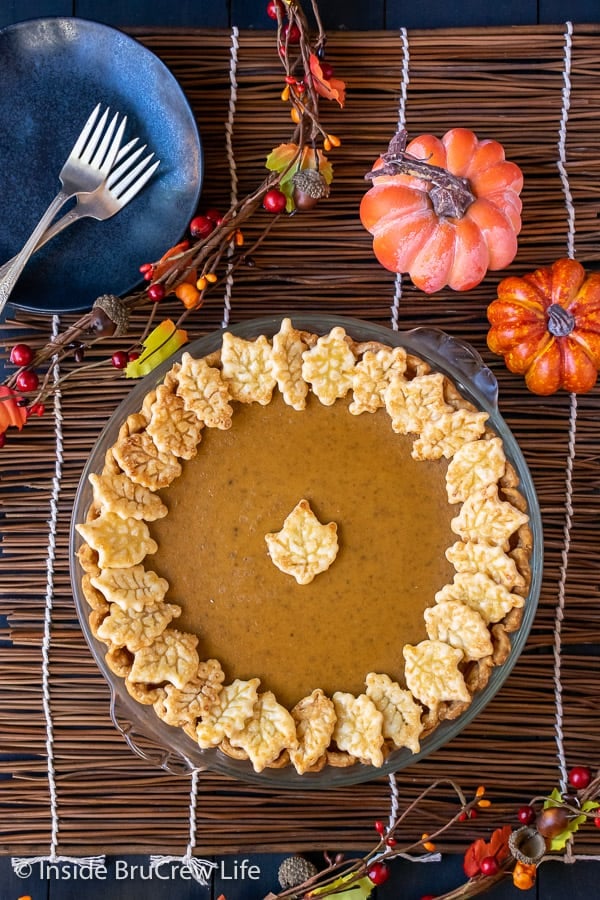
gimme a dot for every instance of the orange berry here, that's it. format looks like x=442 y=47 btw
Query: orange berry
x=188 y=294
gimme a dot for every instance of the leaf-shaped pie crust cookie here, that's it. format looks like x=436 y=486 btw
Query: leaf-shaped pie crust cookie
x=230 y=712
x=247 y=368
x=144 y=463
x=136 y=629
x=329 y=366
x=444 y=435
x=461 y=626
x=412 y=403
x=270 y=730
x=173 y=428
x=372 y=375
x=118 y=542
x=132 y=587
x=493 y=601
x=204 y=392
x=181 y=707
x=315 y=720
x=118 y=494
x=286 y=356
x=401 y=714
x=304 y=547
x=171 y=657
x=474 y=465
x=484 y=516
x=358 y=729
x=479 y=556
x=432 y=673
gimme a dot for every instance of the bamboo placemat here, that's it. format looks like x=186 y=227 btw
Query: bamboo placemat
x=528 y=87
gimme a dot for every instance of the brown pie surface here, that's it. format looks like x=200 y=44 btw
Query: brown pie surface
x=413 y=533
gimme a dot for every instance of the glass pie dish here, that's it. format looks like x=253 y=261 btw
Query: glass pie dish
x=171 y=748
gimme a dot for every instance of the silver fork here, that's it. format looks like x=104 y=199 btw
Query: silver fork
x=86 y=167
x=121 y=186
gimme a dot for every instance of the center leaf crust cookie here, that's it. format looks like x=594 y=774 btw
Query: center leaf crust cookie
x=468 y=621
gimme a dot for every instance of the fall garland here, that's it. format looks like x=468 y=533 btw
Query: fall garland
x=544 y=826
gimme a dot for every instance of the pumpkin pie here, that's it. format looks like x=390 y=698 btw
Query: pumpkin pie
x=305 y=550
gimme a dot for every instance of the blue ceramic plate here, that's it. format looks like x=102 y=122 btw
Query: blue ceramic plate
x=53 y=72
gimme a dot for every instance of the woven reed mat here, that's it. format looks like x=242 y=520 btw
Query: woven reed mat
x=535 y=89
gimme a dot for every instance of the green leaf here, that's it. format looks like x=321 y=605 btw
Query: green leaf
x=158 y=346
x=559 y=841
x=360 y=890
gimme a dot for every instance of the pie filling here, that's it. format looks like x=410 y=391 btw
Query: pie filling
x=393 y=522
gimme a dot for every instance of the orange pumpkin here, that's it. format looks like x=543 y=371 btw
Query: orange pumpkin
x=444 y=211
x=546 y=325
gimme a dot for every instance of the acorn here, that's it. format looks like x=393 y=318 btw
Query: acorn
x=295 y=870
x=309 y=188
x=110 y=316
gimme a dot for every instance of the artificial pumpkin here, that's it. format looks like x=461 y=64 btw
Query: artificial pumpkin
x=546 y=325
x=444 y=211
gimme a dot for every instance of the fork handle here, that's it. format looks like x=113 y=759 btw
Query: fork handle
x=73 y=215
x=17 y=264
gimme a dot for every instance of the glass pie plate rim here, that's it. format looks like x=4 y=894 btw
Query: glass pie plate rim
x=170 y=748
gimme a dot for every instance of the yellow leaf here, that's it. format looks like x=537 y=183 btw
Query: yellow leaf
x=164 y=340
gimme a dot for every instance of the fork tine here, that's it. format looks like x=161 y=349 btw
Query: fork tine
x=88 y=150
x=126 y=161
x=106 y=164
x=139 y=184
x=85 y=132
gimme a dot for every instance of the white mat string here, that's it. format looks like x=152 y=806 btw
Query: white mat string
x=404 y=81
x=233 y=63
x=568 y=521
x=200 y=869
x=24 y=866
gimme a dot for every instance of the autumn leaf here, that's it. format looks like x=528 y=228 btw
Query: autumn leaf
x=330 y=88
x=10 y=412
x=286 y=159
x=479 y=849
x=164 y=340
x=559 y=841
x=360 y=889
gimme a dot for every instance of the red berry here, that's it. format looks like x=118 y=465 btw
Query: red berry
x=526 y=815
x=597 y=821
x=36 y=409
x=291 y=33
x=380 y=828
x=274 y=201
x=272 y=7
x=133 y=355
x=156 y=292
x=327 y=70
x=214 y=215
x=21 y=355
x=580 y=777
x=119 y=359
x=2 y=439
x=201 y=226
x=27 y=380
x=378 y=873
x=145 y=267
x=489 y=865
x=463 y=816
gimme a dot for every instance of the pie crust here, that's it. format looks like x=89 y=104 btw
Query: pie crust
x=467 y=623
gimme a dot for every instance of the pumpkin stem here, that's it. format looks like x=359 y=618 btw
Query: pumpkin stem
x=450 y=194
x=560 y=321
